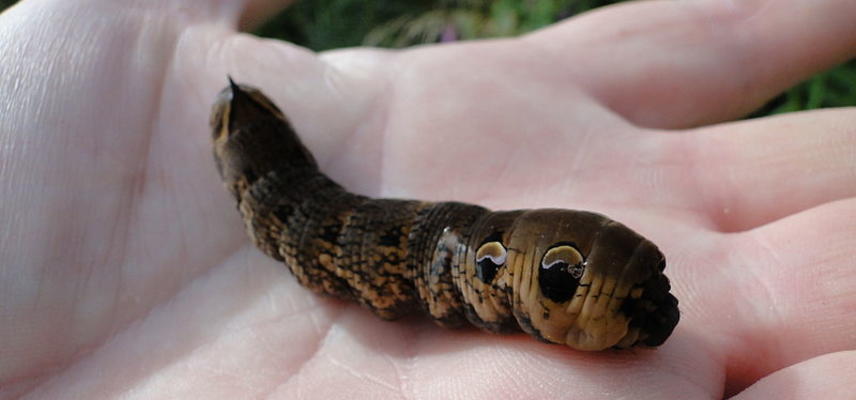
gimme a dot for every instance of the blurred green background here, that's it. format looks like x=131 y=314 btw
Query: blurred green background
x=328 y=24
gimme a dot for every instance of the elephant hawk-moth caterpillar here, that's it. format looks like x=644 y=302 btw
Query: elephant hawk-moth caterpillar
x=570 y=277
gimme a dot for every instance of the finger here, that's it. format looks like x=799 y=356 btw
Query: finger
x=752 y=172
x=673 y=64
x=782 y=293
x=826 y=377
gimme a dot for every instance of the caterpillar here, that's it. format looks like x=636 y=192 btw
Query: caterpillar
x=569 y=277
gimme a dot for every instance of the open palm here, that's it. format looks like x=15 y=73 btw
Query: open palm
x=124 y=269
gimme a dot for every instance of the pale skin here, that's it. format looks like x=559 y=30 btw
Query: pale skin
x=125 y=271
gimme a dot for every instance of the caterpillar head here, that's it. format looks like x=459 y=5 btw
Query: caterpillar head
x=576 y=278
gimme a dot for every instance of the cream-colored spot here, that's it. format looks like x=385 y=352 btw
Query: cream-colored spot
x=564 y=254
x=494 y=251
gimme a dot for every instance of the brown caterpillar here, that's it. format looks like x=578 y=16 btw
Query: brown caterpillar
x=570 y=277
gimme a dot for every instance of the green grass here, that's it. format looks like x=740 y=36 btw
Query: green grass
x=329 y=24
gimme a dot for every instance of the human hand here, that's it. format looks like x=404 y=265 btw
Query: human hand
x=124 y=269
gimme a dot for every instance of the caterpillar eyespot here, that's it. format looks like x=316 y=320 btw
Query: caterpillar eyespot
x=569 y=277
x=490 y=257
x=561 y=269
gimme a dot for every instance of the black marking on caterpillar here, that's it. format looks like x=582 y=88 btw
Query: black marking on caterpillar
x=570 y=277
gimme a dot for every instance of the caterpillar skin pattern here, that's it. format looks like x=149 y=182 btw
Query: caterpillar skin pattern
x=570 y=277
